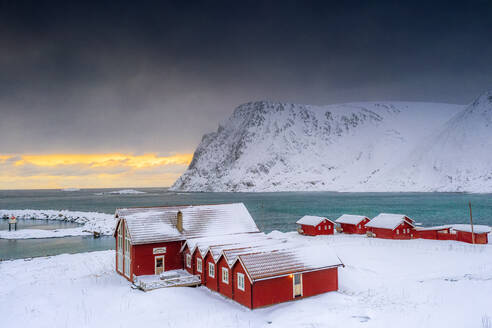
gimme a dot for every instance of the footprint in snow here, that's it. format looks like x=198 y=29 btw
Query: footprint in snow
x=362 y=318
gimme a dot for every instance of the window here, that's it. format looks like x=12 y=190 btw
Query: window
x=199 y=265
x=329 y=227
x=240 y=281
x=211 y=270
x=326 y=227
x=225 y=275
x=359 y=226
x=397 y=231
x=319 y=228
x=188 y=260
x=120 y=248
x=127 y=253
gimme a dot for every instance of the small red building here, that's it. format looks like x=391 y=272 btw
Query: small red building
x=435 y=233
x=353 y=224
x=391 y=226
x=262 y=279
x=464 y=234
x=315 y=225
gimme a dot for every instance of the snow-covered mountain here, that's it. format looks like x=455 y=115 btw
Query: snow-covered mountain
x=373 y=146
x=458 y=157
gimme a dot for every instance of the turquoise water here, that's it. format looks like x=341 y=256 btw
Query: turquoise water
x=271 y=211
x=26 y=248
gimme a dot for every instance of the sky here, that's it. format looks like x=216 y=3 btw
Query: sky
x=119 y=94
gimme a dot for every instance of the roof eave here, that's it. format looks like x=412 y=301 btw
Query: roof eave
x=298 y=272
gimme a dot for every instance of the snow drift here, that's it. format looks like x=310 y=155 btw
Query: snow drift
x=372 y=146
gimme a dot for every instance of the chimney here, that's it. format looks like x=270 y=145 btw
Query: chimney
x=179 y=221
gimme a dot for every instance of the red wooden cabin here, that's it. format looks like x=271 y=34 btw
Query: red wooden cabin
x=391 y=226
x=435 y=233
x=262 y=279
x=464 y=234
x=149 y=240
x=222 y=245
x=315 y=225
x=353 y=224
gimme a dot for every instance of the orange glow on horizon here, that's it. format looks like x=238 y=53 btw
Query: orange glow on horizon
x=111 y=170
x=112 y=159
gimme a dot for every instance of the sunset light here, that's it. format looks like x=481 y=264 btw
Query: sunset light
x=44 y=171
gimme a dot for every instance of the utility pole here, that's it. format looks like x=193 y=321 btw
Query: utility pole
x=471 y=223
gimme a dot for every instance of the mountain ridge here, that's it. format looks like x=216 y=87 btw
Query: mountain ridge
x=358 y=146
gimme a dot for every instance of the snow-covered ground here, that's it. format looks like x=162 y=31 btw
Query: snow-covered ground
x=385 y=283
x=90 y=222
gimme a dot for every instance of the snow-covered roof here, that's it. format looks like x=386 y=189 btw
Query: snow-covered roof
x=351 y=219
x=264 y=265
x=158 y=224
x=477 y=228
x=203 y=244
x=441 y=227
x=388 y=221
x=312 y=220
x=231 y=254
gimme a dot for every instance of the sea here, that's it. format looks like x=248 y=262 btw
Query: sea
x=271 y=211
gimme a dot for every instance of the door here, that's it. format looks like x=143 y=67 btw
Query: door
x=159 y=264
x=297 y=285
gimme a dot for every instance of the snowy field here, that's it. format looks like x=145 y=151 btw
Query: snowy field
x=90 y=222
x=386 y=283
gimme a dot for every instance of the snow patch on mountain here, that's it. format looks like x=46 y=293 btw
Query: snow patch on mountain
x=372 y=146
x=457 y=157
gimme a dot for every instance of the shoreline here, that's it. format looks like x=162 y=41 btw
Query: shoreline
x=91 y=222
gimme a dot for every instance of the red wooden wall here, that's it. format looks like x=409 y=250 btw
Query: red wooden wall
x=242 y=297
x=197 y=255
x=210 y=282
x=224 y=289
x=319 y=229
x=392 y=234
x=278 y=290
x=143 y=260
x=354 y=229
x=467 y=237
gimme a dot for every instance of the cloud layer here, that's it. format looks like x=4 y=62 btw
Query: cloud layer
x=90 y=170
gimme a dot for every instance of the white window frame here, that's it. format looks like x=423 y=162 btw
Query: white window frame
x=120 y=248
x=397 y=231
x=127 y=253
x=319 y=228
x=188 y=260
x=326 y=227
x=199 y=265
x=240 y=281
x=225 y=276
x=211 y=270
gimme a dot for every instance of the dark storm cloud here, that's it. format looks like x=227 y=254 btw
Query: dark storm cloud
x=154 y=76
